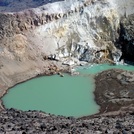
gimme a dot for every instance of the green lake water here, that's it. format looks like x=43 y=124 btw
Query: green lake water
x=67 y=96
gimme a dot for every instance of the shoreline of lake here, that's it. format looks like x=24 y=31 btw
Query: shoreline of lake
x=37 y=122
x=103 y=108
x=116 y=93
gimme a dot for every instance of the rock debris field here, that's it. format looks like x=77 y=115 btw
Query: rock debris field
x=18 y=122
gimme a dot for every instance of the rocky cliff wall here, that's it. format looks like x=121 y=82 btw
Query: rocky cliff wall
x=65 y=30
x=127 y=38
x=70 y=31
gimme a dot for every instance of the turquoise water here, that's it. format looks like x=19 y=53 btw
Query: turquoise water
x=94 y=69
x=68 y=95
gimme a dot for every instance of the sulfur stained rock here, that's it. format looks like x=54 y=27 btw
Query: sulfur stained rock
x=18 y=48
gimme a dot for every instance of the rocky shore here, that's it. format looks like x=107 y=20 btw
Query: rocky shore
x=34 y=122
x=115 y=91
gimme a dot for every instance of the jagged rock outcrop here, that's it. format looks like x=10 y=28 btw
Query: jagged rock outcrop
x=127 y=38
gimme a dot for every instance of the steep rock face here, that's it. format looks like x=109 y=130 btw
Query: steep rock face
x=69 y=31
x=78 y=31
x=83 y=34
x=127 y=38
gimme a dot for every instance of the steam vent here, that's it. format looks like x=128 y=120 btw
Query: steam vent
x=66 y=40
